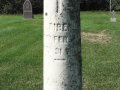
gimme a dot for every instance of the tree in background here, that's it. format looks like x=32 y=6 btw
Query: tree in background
x=115 y=4
x=16 y=6
x=94 y=5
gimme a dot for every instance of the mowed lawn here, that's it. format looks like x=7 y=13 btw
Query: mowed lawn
x=21 y=52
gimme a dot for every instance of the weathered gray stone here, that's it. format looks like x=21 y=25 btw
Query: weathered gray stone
x=62 y=59
x=27 y=10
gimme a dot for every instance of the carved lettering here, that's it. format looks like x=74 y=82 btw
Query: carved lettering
x=60 y=39
x=60 y=59
x=59 y=27
x=58 y=51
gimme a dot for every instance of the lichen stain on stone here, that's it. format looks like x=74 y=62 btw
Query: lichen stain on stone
x=73 y=9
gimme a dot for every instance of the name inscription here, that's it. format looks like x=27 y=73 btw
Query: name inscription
x=59 y=26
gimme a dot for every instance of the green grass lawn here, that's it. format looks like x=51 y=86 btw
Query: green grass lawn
x=21 y=52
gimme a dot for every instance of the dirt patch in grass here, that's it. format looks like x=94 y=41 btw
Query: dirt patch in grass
x=100 y=37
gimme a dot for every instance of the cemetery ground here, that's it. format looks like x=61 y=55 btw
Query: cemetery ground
x=21 y=52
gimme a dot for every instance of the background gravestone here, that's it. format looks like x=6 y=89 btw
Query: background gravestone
x=113 y=19
x=27 y=10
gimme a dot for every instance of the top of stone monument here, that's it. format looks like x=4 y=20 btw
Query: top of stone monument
x=27 y=5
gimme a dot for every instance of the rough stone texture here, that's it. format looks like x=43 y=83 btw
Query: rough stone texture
x=27 y=10
x=62 y=59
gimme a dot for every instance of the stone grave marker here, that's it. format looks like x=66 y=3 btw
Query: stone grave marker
x=62 y=52
x=113 y=19
x=27 y=10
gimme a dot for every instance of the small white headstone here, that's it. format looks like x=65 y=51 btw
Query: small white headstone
x=113 y=19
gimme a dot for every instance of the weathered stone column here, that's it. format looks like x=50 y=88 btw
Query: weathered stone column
x=62 y=59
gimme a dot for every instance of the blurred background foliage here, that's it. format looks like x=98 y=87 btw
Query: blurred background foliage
x=16 y=6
